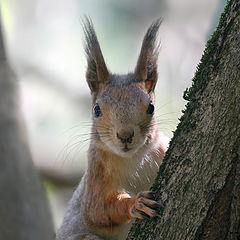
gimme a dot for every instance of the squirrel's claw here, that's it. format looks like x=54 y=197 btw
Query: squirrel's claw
x=145 y=207
x=146 y=194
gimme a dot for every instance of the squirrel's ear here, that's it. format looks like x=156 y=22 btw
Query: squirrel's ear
x=146 y=69
x=97 y=72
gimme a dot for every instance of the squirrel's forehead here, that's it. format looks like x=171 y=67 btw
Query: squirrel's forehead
x=130 y=95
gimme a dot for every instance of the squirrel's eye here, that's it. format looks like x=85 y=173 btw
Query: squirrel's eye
x=150 y=109
x=97 y=111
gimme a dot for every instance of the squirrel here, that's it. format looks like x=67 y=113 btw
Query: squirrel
x=126 y=148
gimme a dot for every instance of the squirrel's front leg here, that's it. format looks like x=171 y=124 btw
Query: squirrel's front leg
x=122 y=207
x=119 y=208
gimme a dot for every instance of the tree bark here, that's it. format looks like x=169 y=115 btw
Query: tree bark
x=199 y=180
x=24 y=213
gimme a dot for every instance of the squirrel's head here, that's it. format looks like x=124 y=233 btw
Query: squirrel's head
x=123 y=105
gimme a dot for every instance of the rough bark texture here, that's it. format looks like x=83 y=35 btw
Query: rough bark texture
x=199 y=180
x=24 y=213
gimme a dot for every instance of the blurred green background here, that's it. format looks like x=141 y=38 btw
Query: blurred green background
x=44 y=41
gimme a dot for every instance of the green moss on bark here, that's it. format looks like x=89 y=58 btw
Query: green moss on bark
x=205 y=72
x=209 y=59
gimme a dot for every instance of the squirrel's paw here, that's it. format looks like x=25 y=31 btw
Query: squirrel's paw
x=145 y=207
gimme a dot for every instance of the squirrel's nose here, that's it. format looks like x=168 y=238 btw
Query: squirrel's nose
x=125 y=136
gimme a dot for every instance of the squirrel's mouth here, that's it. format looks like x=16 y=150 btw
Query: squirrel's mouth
x=126 y=148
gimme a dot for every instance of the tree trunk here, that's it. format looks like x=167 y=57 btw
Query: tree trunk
x=199 y=180
x=24 y=213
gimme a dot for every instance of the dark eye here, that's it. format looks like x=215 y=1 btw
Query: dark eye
x=150 y=109
x=97 y=111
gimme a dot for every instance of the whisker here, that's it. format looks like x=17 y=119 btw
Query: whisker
x=164 y=105
x=168 y=113
x=77 y=126
x=69 y=149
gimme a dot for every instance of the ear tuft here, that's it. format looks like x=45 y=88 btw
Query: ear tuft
x=146 y=69
x=97 y=72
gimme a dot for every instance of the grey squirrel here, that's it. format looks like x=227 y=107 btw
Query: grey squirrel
x=126 y=147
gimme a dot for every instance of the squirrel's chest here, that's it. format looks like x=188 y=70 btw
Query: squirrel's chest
x=138 y=175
